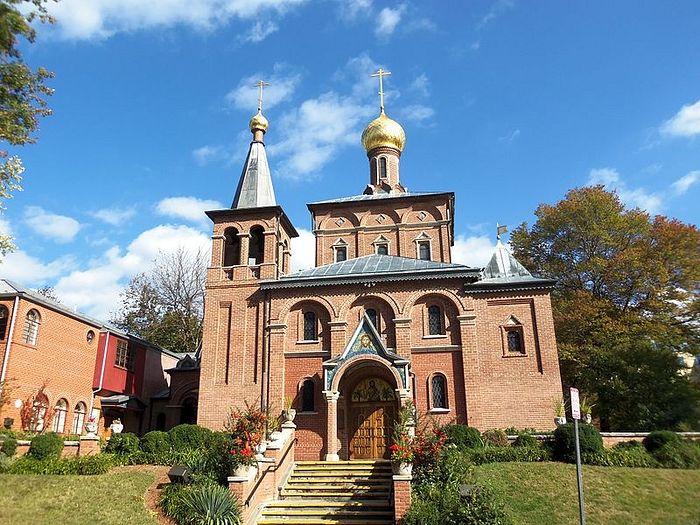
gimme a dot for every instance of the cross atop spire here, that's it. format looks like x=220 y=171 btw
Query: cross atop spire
x=260 y=84
x=381 y=74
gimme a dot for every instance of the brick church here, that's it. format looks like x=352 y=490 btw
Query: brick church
x=384 y=317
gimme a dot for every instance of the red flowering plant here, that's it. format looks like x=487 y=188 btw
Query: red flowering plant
x=247 y=429
x=403 y=444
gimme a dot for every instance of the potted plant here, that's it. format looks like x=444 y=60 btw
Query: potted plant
x=273 y=428
x=586 y=410
x=116 y=427
x=91 y=426
x=559 y=407
x=289 y=413
x=403 y=447
x=242 y=458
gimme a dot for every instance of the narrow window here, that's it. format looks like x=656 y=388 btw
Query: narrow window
x=256 y=252
x=382 y=168
x=515 y=341
x=424 y=251
x=310 y=332
x=373 y=317
x=160 y=421
x=382 y=249
x=232 y=247
x=78 y=418
x=31 y=327
x=39 y=408
x=59 y=416
x=438 y=388
x=435 y=320
x=125 y=357
x=4 y=314
x=307 y=396
x=341 y=254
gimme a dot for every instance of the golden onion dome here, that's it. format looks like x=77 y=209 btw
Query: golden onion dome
x=383 y=131
x=259 y=122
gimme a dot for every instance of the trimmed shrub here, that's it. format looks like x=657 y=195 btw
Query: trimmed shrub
x=678 y=454
x=81 y=466
x=495 y=438
x=9 y=446
x=564 y=446
x=122 y=444
x=45 y=446
x=658 y=438
x=188 y=437
x=155 y=442
x=463 y=436
x=505 y=454
x=525 y=439
x=635 y=457
x=627 y=445
x=171 y=501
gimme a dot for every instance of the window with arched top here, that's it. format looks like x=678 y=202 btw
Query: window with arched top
x=31 y=327
x=424 y=250
x=382 y=169
x=308 y=396
x=4 y=315
x=310 y=326
x=513 y=337
x=438 y=392
x=435 y=321
x=232 y=247
x=78 y=418
x=373 y=317
x=39 y=409
x=59 y=416
x=256 y=248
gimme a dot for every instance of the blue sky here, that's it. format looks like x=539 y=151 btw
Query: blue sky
x=507 y=103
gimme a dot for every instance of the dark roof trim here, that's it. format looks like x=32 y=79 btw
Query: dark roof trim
x=234 y=213
x=530 y=284
x=357 y=200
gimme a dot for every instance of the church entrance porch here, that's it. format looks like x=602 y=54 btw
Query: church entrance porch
x=371 y=415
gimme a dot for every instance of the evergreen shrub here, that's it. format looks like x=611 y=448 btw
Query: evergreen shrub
x=636 y=457
x=44 y=446
x=495 y=438
x=155 y=442
x=658 y=438
x=463 y=436
x=188 y=437
x=564 y=446
x=678 y=454
x=123 y=444
x=505 y=454
x=9 y=446
x=80 y=466
x=525 y=439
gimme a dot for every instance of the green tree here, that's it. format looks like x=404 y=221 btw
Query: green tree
x=626 y=302
x=23 y=91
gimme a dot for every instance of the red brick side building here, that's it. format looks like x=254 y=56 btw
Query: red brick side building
x=384 y=318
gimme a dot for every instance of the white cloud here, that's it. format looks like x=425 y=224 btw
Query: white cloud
x=24 y=269
x=632 y=197
x=388 y=19
x=421 y=85
x=5 y=227
x=282 y=82
x=686 y=123
x=303 y=251
x=683 y=184
x=206 y=153
x=188 y=208
x=497 y=9
x=351 y=9
x=260 y=31
x=475 y=251
x=509 y=137
x=89 y=19
x=417 y=113
x=114 y=216
x=58 y=228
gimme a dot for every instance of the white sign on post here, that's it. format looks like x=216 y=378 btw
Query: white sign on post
x=575 y=405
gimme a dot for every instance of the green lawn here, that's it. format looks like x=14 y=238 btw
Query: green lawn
x=545 y=493
x=110 y=499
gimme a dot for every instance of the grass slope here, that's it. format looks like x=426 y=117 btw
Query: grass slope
x=538 y=493
x=110 y=499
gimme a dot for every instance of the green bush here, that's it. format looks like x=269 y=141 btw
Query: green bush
x=442 y=504
x=80 y=466
x=44 y=446
x=626 y=445
x=155 y=442
x=463 y=436
x=9 y=446
x=564 y=446
x=678 y=454
x=188 y=437
x=658 y=438
x=123 y=444
x=505 y=454
x=171 y=501
x=636 y=457
x=211 y=505
x=495 y=438
x=525 y=439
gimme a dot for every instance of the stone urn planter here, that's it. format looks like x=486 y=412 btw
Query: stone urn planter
x=241 y=471
x=261 y=447
x=91 y=428
x=401 y=468
x=116 y=427
x=587 y=418
x=560 y=420
x=289 y=414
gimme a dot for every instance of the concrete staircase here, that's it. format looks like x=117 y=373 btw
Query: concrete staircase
x=338 y=493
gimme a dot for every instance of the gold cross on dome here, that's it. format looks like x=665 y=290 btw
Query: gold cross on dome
x=260 y=84
x=381 y=74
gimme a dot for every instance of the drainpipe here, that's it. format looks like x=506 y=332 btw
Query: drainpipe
x=8 y=345
x=102 y=373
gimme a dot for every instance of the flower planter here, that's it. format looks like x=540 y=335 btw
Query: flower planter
x=401 y=468
x=116 y=428
x=261 y=447
x=559 y=421
x=289 y=415
x=91 y=427
x=587 y=418
x=241 y=471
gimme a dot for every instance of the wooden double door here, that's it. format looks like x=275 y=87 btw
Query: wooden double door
x=371 y=425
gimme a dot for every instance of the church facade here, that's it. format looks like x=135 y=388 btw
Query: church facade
x=385 y=317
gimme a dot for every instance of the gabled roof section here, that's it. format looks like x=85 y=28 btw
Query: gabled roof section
x=255 y=185
x=378 y=196
x=372 y=268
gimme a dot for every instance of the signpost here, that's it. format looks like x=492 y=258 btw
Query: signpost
x=576 y=414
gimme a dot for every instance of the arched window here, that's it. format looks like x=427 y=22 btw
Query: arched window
x=232 y=247
x=308 y=396
x=256 y=249
x=373 y=317
x=310 y=326
x=39 y=408
x=438 y=391
x=4 y=314
x=188 y=413
x=424 y=251
x=513 y=337
x=382 y=168
x=78 y=418
x=59 y=416
x=31 y=327
x=435 y=326
x=160 y=421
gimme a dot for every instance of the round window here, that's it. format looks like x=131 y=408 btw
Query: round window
x=90 y=336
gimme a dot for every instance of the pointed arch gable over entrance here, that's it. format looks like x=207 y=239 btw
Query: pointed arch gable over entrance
x=365 y=342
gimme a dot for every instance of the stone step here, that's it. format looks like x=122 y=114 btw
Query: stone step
x=329 y=504
x=328 y=513
x=325 y=521
x=337 y=495
x=336 y=479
